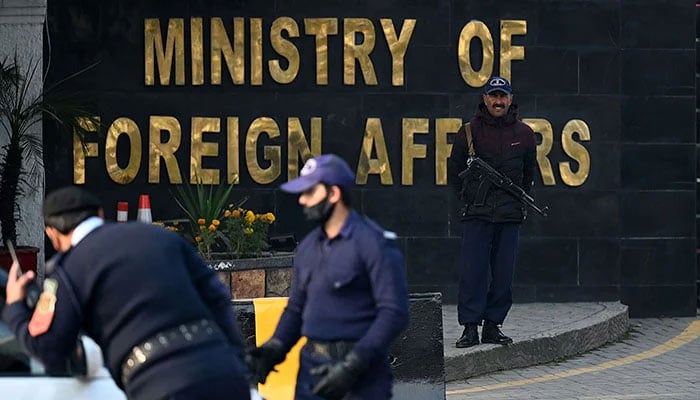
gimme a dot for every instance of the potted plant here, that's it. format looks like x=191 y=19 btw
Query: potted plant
x=22 y=108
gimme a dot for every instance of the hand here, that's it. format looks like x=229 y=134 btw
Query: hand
x=17 y=286
x=261 y=360
x=339 y=377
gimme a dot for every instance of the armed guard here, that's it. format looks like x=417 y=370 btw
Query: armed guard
x=491 y=214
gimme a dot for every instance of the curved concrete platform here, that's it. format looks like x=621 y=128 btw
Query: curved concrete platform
x=541 y=332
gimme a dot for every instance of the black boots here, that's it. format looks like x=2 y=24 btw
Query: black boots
x=470 y=337
x=492 y=334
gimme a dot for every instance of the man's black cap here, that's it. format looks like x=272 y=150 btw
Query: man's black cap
x=69 y=198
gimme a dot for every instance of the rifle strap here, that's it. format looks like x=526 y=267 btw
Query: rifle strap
x=470 y=140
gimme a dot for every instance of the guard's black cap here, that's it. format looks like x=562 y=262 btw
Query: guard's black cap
x=69 y=198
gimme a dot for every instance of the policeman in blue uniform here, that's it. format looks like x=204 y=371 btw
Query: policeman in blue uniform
x=348 y=294
x=163 y=320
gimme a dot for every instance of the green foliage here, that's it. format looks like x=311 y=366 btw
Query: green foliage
x=21 y=110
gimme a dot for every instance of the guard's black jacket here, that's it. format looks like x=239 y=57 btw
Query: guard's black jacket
x=508 y=145
x=124 y=283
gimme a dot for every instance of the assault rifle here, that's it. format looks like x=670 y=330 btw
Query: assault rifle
x=477 y=165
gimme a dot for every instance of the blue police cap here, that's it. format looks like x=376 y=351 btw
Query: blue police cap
x=498 y=84
x=328 y=168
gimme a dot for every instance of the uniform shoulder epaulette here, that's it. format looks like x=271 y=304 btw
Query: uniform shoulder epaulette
x=389 y=235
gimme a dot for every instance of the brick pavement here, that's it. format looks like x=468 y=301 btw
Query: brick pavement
x=656 y=359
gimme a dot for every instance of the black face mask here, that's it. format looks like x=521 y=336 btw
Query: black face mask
x=320 y=212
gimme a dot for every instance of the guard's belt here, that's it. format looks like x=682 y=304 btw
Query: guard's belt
x=183 y=336
x=336 y=350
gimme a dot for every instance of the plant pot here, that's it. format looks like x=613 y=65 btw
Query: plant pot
x=26 y=255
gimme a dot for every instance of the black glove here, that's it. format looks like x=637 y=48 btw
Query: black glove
x=261 y=360
x=339 y=377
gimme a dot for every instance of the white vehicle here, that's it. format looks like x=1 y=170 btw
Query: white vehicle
x=23 y=378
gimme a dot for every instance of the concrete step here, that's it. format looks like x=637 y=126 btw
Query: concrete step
x=541 y=332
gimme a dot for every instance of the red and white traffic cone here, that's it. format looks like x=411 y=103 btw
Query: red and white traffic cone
x=122 y=211
x=144 y=212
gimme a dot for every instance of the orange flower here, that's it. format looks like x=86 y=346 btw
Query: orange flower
x=215 y=222
x=249 y=217
x=198 y=238
x=227 y=213
x=201 y=221
x=270 y=217
x=212 y=228
x=236 y=213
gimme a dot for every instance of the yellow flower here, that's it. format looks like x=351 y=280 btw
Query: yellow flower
x=227 y=213
x=202 y=227
x=201 y=221
x=236 y=213
x=176 y=223
x=212 y=228
x=249 y=217
x=215 y=222
x=248 y=231
x=270 y=217
x=198 y=238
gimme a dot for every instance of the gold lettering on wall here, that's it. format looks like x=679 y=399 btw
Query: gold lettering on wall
x=232 y=158
x=199 y=148
x=576 y=151
x=256 y=55
x=353 y=51
x=443 y=149
x=82 y=149
x=119 y=127
x=285 y=48
x=298 y=146
x=154 y=51
x=197 y=51
x=165 y=150
x=475 y=29
x=374 y=139
x=321 y=28
x=273 y=154
x=221 y=46
x=397 y=46
x=510 y=27
x=544 y=128
x=411 y=150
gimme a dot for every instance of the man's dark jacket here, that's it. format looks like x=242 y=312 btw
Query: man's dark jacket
x=508 y=145
x=126 y=283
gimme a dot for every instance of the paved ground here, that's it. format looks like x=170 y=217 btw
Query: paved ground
x=542 y=332
x=656 y=359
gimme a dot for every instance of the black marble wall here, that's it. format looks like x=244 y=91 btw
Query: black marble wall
x=625 y=67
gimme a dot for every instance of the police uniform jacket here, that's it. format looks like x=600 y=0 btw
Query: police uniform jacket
x=508 y=145
x=124 y=283
x=349 y=288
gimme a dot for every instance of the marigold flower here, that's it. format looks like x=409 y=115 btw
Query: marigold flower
x=236 y=213
x=215 y=222
x=270 y=217
x=248 y=231
x=249 y=217
x=227 y=213
x=198 y=238
x=201 y=221
x=202 y=227
x=212 y=228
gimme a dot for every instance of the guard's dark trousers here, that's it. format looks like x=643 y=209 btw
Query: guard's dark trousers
x=485 y=285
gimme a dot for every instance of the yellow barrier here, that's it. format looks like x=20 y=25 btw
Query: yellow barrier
x=279 y=385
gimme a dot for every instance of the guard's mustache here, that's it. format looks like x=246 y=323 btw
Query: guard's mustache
x=499 y=106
